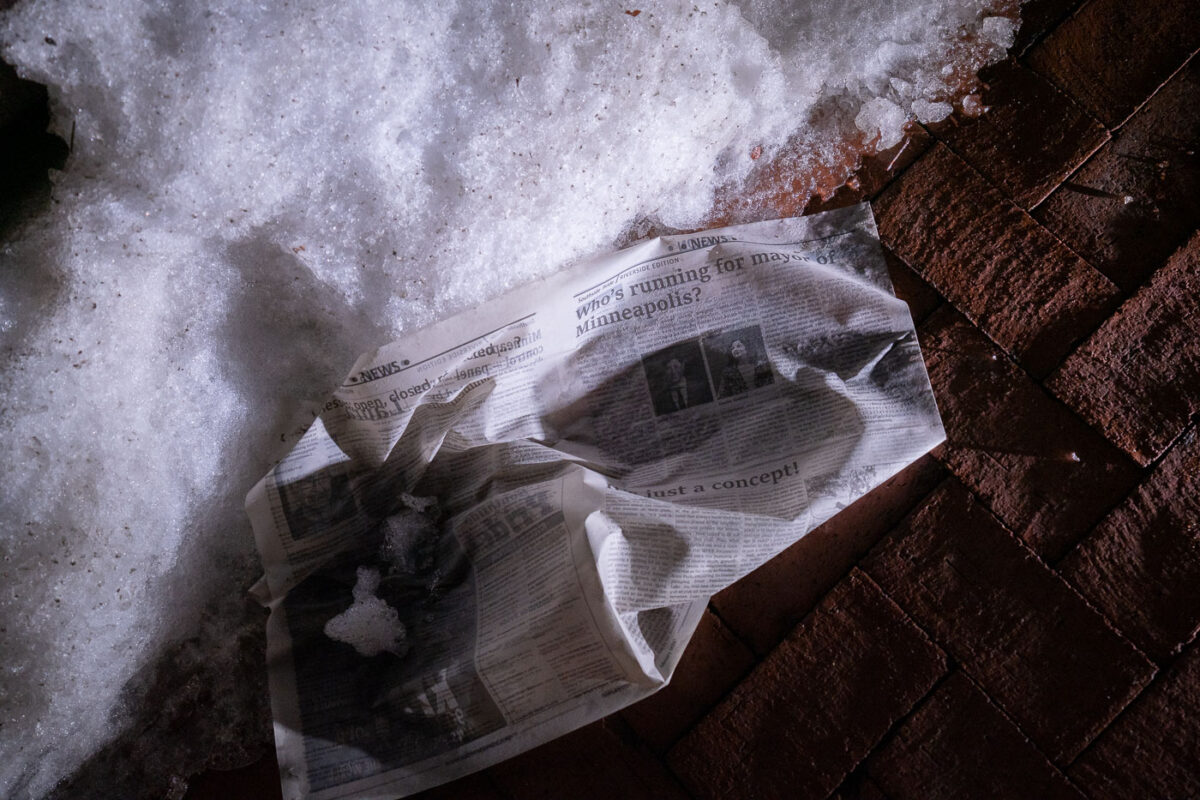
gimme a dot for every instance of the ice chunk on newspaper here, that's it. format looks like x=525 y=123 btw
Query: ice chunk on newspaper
x=507 y=525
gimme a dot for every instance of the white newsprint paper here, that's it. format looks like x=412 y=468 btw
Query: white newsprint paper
x=507 y=525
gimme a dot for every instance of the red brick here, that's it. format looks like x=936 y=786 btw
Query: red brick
x=1137 y=378
x=816 y=706
x=1049 y=660
x=1141 y=567
x=763 y=606
x=958 y=744
x=1038 y=17
x=1113 y=54
x=598 y=762
x=714 y=661
x=259 y=780
x=1138 y=198
x=1152 y=750
x=922 y=298
x=989 y=258
x=859 y=786
x=1032 y=137
x=472 y=787
x=1046 y=474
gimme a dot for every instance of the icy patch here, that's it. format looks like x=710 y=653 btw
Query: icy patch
x=258 y=192
x=370 y=625
x=926 y=111
x=999 y=31
x=410 y=541
x=972 y=105
x=882 y=121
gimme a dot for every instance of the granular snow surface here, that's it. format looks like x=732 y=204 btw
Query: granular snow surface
x=258 y=192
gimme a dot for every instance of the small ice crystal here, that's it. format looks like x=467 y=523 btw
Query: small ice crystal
x=881 y=120
x=370 y=625
x=972 y=106
x=926 y=111
x=1000 y=31
x=410 y=540
x=422 y=504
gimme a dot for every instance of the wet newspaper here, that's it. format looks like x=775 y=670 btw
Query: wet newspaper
x=508 y=525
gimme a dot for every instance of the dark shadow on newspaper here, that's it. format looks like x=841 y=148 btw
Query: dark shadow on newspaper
x=658 y=410
x=383 y=649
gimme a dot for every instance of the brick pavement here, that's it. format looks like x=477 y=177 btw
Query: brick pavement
x=1016 y=615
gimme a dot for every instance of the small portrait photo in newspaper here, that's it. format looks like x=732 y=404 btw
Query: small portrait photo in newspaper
x=677 y=378
x=737 y=361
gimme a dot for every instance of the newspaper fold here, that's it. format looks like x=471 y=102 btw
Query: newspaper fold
x=508 y=525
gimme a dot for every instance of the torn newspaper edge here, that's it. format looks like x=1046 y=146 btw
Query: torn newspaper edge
x=508 y=525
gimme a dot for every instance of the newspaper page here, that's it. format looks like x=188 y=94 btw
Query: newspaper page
x=506 y=526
